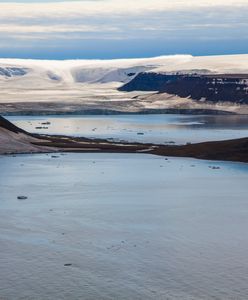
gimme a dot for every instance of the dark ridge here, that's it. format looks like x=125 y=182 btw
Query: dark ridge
x=146 y=82
x=213 y=88
x=9 y=126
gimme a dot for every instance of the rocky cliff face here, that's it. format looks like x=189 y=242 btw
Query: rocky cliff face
x=213 y=88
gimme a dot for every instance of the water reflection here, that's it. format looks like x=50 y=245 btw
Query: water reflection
x=161 y=129
x=106 y=226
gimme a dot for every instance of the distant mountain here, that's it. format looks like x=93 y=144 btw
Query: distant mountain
x=40 y=86
x=118 y=70
x=213 y=88
x=82 y=71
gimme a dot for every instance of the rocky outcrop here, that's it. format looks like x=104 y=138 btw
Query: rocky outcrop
x=15 y=140
x=5 y=124
x=213 y=88
x=12 y=71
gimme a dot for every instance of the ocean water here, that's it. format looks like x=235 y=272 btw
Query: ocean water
x=126 y=226
x=162 y=129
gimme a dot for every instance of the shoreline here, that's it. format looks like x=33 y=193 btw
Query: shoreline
x=227 y=150
x=109 y=112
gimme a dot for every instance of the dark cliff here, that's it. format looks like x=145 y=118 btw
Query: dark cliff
x=213 y=88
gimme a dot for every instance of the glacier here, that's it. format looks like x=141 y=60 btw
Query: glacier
x=48 y=86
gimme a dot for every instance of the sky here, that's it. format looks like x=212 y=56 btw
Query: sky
x=107 y=29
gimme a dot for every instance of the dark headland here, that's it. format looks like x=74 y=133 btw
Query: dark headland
x=214 y=88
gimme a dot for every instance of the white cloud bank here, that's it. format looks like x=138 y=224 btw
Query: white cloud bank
x=171 y=20
x=117 y=7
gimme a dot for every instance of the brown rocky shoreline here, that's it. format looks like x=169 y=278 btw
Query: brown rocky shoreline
x=230 y=150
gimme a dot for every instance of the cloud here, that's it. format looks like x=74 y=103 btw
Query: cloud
x=72 y=9
x=27 y=23
x=40 y=29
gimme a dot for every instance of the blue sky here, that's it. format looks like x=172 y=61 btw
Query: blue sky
x=116 y=28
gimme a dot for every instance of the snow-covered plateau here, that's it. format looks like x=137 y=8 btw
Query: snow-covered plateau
x=40 y=86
